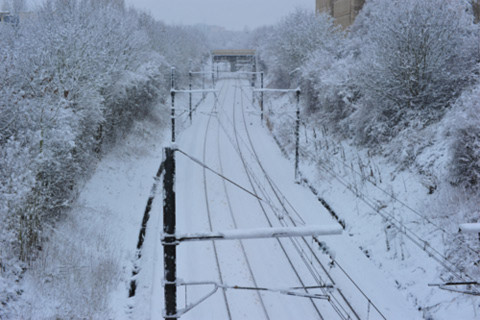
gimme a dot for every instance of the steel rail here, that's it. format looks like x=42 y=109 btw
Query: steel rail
x=281 y=200
x=294 y=269
x=252 y=177
x=293 y=241
x=235 y=224
x=227 y=305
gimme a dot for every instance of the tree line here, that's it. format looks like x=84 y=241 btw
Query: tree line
x=74 y=77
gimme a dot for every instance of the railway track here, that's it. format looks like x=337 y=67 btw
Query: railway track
x=340 y=304
x=218 y=258
x=303 y=267
x=209 y=214
x=235 y=224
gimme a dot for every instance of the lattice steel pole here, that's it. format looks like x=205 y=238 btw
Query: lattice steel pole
x=169 y=240
x=261 y=98
x=297 y=134
x=173 y=78
x=172 y=114
x=203 y=83
x=172 y=93
x=190 y=95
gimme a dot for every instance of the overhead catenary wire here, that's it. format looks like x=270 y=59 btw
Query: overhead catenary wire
x=299 y=250
x=277 y=191
x=217 y=173
x=338 y=308
x=419 y=241
x=403 y=203
x=273 y=186
x=284 y=204
x=270 y=222
x=412 y=236
x=219 y=270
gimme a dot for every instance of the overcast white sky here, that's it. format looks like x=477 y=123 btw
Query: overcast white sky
x=231 y=14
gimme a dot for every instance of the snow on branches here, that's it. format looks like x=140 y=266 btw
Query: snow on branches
x=74 y=75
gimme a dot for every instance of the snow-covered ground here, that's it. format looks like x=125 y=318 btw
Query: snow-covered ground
x=89 y=253
x=370 y=271
x=227 y=136
x=393 y=216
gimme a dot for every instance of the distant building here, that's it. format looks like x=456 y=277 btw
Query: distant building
x=344 y=11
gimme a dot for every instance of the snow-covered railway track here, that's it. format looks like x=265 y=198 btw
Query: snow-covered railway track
x=343 y=312
x=209 y=214
x=239 y=192
x=261 y=205
x=215 y=221
x=342 y=306
x=235 y=224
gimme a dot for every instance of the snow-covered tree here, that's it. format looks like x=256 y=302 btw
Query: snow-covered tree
x=415 y=57
x=464 y=121
x=14 y=6
x=476 y=9
x=294 y=40
x=74 y=76
x=329 y=89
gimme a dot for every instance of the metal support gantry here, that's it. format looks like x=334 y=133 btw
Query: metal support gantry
x=190 y=91
x=170 y=240
x=297 y=92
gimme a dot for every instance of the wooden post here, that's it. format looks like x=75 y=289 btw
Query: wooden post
x=169 y=241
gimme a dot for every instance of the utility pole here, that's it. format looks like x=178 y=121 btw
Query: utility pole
x=190 y=95
x=169 y=241
x=173 y=78
x=172 y=115
x=297 y=134
x=261 y=97
x=297 y=122
x=203 y=83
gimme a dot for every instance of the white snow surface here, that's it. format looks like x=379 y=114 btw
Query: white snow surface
x=219 y=136
x=470 y=227
x=371 y=194
x=259 y=233
x=368 y=281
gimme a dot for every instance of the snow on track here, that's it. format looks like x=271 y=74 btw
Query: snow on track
x=228 y=136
